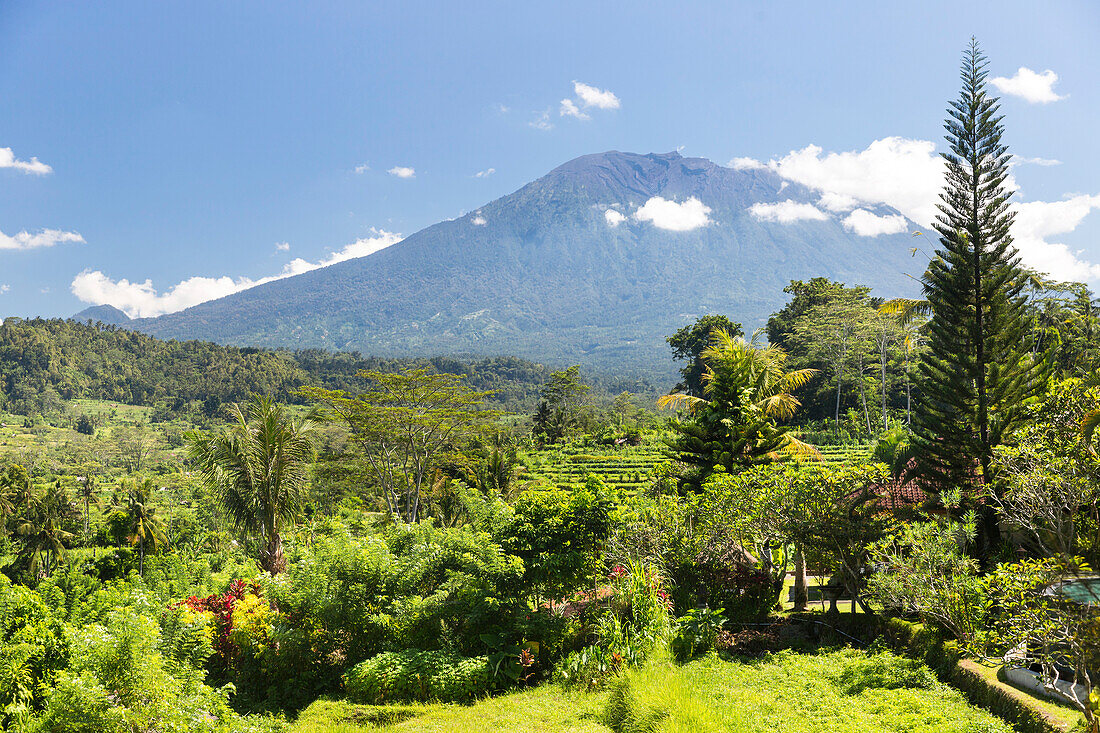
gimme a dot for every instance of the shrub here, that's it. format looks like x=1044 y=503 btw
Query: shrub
x=696 y=632
x=32 y=650
x=419 y=675
x=924 y=568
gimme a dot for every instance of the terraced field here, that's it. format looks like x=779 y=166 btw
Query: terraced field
x=851 y=453
x=622 y=468
x=630 y=468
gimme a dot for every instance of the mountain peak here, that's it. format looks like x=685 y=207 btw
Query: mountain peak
x=104 y=314
x=566 y=270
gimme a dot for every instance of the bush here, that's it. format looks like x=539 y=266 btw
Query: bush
x=32 y=650
x=696 y=632
x=118 y=680
x=747 y=594
x=419 y=675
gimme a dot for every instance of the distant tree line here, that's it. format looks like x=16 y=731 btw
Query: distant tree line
x=46 y=362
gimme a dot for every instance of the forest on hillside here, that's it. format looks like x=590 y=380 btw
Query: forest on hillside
x=47 y=362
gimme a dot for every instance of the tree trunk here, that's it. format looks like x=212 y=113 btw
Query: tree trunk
x=863 y=396
x=908 y=392
x=141 y=556
x=800 y=595
x=885 y=425
x=839 y=375
x=271 y=555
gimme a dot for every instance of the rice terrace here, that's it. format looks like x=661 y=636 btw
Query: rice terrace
x=356 y=376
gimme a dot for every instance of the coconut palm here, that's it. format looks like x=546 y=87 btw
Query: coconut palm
x=139 y=518
x=42 y=530
x=88 y=494
x=259 y=470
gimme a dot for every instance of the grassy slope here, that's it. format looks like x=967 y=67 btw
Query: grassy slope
x=796 y=694
x=540 y=710
x=787 y=692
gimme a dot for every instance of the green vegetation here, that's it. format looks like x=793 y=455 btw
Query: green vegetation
x=980 y=370
x=399 y=548
x=792 y=692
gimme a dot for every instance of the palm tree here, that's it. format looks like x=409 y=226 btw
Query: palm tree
x=88 y=495
x=747 y=391
x=259 y=470
x=7 y=508
x=20 y=491
x=42 y=530
x=140 y=519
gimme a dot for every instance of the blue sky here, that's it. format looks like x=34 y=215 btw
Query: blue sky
x=228 y=141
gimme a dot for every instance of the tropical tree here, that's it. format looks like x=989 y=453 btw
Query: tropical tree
x=979 y=371
x=835 y=331
x=558 y=413
x=259 y=470
x=87 y=494
x=748 y=391
x=42 y=530
x=911 y=315
x=405 y=424
x=688 y=345
x=138 y=517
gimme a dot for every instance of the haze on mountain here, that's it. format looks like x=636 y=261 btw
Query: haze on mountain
x=569 y=269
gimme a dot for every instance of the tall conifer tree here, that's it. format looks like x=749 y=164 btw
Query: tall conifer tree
x=978 y=371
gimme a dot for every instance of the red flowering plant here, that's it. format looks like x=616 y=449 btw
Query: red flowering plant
x=226 y=615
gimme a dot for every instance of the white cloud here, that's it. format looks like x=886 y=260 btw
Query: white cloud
x=44 y=238
x=908 y=175
x=34 y=165
x=866 y=224
x=590 y=96
x=1045 y=162
x=746 y=164
x=837 y=201
x=479 y=220
x=586 y=97
x=485 y=173
x=362 y=168
x=542 y=122
x=787 y=212
x=282 y=246
x=613 y=218
x=899 y=172
x=1037 y=221
x=402 y=171
x=676 y=217
x=142 y=300
x=569 y=108
x=502 y=108
x=1029 y=85
x=4 y=287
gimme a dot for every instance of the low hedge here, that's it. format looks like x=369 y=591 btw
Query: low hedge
x=414 y=675
x=981 y=686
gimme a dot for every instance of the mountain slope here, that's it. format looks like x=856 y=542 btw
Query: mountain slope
x=541 y=273
x=103 y=314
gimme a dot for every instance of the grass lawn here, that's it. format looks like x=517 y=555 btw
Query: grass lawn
x=539 y=710
x=795 y=693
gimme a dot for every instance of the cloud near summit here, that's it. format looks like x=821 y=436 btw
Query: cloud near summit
x=672 y=216
x=908 y=175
